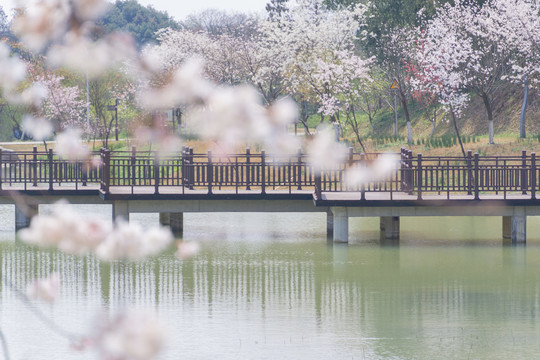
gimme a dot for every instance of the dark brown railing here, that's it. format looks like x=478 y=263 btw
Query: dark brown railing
x=245 y=172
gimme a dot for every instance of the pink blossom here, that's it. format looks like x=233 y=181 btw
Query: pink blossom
x=47 y=289
x=129 y=336
x=186 y=250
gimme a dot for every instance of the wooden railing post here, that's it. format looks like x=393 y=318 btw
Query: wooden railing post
x=524 y=176
x=105 y=170
x=51 y=169
x=299 y=170
x=248 y=169
x=349 y=165
x=363 y=184
x=263 y=172
x=183 y=167
x=419 y=174
x=34 y=166
x=210 y=172
x=191 y=170
x=533 y=175
x=402 y=170
x=2 y=170
x=410 y=172
x=476 y=177
x=133 y=167
x=156 y=172
x=318 y=184
x=469 y=172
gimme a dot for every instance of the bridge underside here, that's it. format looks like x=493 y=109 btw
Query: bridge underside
x=339 y=207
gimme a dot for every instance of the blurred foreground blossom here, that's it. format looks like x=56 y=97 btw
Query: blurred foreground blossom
x=129 y=336
x=69 y=145
x=93 y=57
x=76 y=234
x=47 y=289
x=131 y=242
x=12 y=69
x=378 y=170
x=33 y=95
x=41 y=22
x=324 y=153
x=37 y=127
x=186 y=250
x=225 y=114
x=67 y=230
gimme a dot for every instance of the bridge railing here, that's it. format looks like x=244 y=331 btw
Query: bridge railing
x=27 y=169
x=473 y=175
x=260 y=172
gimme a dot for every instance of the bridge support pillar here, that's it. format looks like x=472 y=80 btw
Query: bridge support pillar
x=120 y=210
x=329 y=224
x=515 y=226
x=173 y=220
x=24 y=214
x=341 y=224
x=390 y=227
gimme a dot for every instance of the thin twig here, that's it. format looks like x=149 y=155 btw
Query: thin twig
x=4 y=345
x=39 y=314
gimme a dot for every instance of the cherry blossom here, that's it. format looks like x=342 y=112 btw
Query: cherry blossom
x=47 y=289
x=73 y=233
x=70 y=146
x=131 y=242
x=128 y=335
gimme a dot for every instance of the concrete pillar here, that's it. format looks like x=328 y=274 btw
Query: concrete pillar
x=390 y=227
x=341 y=224
x=173 y=220
x=24 y=214
x=329 y=224
x=120 y=210
x=519 y=226
x=507 y=227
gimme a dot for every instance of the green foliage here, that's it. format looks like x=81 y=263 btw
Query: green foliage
x=141 y=22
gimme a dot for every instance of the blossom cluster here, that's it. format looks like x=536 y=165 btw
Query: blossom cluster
x=126 y=335
x=72 y=233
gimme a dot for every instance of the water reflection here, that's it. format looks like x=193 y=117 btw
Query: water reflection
x=279 y=298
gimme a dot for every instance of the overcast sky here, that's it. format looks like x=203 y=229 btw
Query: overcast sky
x=179 y=9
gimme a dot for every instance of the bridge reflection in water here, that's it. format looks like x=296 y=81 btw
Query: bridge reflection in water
x=304 y=299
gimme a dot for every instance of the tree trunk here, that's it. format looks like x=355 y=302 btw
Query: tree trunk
x=487 y=104
x=433 y=122
x=524 y=108
x=395 y=116
x=457 y=131
x=357 y=131
x=407 y=117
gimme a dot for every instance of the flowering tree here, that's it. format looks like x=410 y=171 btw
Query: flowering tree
x=463 y=33
x=62 y=105
x=308 y=44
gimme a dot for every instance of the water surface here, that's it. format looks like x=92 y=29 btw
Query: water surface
x=269 y=286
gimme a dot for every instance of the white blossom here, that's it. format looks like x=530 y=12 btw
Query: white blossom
x=131 y=242
x=70 y=146
x=186 y=249
x=129 y=336
x=37 y=127
x=47 y=289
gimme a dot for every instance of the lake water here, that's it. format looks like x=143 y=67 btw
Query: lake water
x=269 y=286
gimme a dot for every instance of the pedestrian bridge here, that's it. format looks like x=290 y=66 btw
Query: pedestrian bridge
x=171 y=184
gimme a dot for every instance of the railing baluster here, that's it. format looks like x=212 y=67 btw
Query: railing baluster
x=533 y=176
x=476 y=177
x=263 y=172
x=524 y=176
x=419 y=174
x=210 y=172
